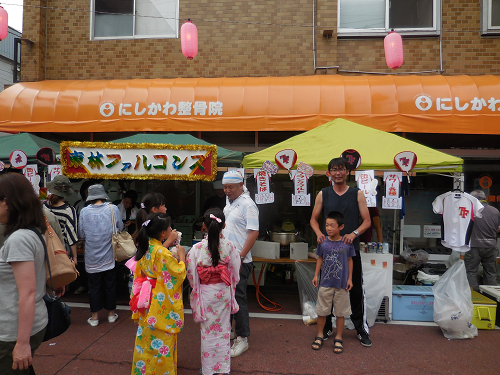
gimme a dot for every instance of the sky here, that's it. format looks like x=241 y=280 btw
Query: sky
x=14 y=9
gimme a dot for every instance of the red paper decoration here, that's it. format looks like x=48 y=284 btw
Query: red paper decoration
x=4 y=24
x=189 y=39
x=393 y=46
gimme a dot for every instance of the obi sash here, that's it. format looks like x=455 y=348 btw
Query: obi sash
x=142 y=290
x=214 y=275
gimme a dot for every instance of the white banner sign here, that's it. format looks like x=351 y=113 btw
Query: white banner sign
x=301 y=200
x=261 y=181
x=367 y=183
x=264 y=198
x=392 y=203
x=263 y=194
x=54 y=170
x=31 y=173
x=392 y=200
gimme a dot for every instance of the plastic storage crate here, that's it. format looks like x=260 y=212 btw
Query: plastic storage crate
x=485 y=311
x=493 y=292
x=412 y=302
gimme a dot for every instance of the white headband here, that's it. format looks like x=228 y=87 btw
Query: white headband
x=232 y=177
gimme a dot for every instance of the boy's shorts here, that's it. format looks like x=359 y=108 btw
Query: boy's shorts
x=340 y=299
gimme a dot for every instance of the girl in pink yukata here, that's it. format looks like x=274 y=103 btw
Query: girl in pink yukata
x=213 y=268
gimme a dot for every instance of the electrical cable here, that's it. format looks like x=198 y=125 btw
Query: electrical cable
x=276 y=306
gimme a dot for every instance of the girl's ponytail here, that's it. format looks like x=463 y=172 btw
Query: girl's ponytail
x=214 y=222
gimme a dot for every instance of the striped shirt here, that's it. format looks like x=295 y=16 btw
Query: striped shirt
x=242 y=216
x=66 y=215
x=96 y=228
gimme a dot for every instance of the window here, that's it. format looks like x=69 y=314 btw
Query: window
x=129 y=19
x=490 y=20
x=378 y=17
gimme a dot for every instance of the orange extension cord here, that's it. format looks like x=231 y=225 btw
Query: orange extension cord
x=276 y=306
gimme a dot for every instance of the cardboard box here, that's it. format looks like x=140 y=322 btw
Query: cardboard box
x=485 y=311
x=299 y=250
x=412 y=302
x=266 y=249
x=492 y=292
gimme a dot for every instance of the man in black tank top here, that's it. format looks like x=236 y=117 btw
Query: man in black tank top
x=352 y=204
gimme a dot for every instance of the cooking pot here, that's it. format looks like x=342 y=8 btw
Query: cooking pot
x=283 y=238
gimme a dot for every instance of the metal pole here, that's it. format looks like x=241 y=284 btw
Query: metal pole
x=198 y=199
x=17 y=42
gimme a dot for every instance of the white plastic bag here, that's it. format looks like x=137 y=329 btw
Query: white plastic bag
x=308 y=294
x=416 y=257
x=374 y=280
x=454 y=256
x=453 y=308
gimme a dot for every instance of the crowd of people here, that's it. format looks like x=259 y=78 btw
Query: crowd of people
x=217 y=268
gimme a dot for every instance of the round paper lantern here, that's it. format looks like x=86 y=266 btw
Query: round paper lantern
x=189 y=39
x=4 y=24
x=393 y=46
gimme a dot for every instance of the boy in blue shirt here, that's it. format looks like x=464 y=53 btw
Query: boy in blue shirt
x=335 y=263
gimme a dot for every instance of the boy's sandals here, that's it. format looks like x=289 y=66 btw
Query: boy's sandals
x=317 y=343
x=338 y=349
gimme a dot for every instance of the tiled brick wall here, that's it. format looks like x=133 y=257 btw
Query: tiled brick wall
x=270 y=39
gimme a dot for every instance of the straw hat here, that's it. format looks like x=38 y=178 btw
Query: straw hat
x=97 y=192
x=60 y=186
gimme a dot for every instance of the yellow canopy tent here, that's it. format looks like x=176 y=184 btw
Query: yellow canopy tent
x=377 y=148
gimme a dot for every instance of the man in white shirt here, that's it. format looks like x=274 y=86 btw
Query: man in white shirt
x=242 y=229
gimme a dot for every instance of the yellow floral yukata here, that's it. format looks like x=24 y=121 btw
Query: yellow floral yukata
x=155 y=351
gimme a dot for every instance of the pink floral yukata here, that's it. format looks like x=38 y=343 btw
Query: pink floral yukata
x=212 y=303
x=155 y=351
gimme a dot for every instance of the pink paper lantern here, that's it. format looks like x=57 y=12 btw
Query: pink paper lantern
x=4 y=24
x=189 y=39
x=393 y=46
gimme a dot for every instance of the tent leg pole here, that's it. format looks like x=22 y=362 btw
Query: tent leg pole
x=401 y=235
x=198 y=192
x=394 y=234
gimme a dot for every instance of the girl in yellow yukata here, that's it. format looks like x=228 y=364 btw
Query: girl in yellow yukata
x=156 y=299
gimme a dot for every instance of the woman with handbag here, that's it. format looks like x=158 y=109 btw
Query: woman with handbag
x=60 y=189
x=96 y=227
x=22 y=275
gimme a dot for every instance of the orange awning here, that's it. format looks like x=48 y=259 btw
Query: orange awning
x=422 y=104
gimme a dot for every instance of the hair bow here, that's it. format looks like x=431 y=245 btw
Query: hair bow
x=212 y=216
x=145 y=224
x=143 y=206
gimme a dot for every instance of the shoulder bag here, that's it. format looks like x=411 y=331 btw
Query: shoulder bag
x=123 y=244
x=63 y=269
x=57 y=311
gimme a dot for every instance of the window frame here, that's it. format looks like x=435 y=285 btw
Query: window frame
x=486 y=12
x=435 y=30
x=134 y=36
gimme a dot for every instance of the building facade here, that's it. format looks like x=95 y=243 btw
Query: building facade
x=7 y=58
x=253 y=39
